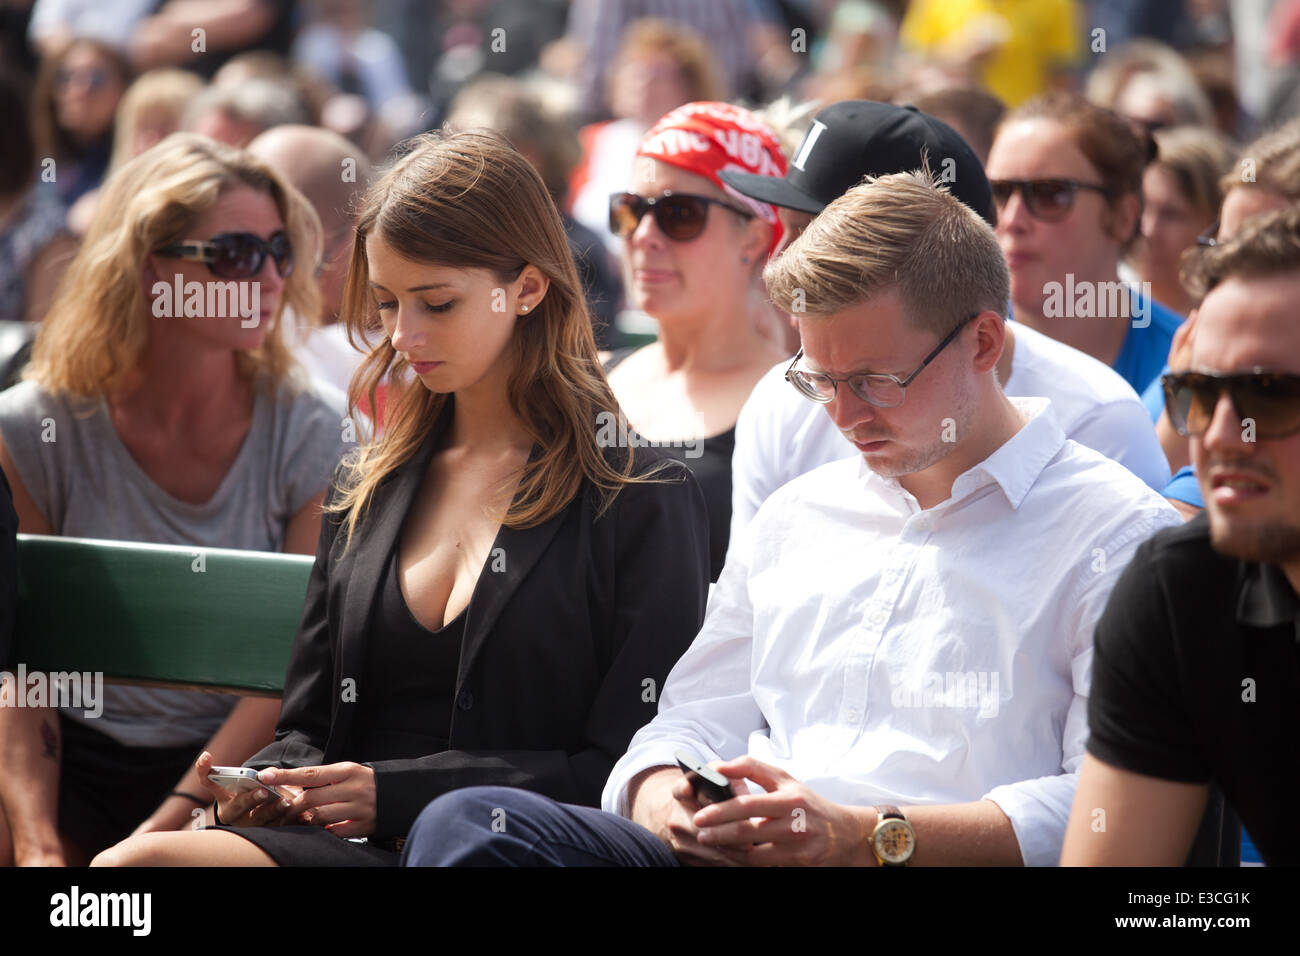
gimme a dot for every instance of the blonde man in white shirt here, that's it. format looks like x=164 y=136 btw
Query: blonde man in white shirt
x=911 y=629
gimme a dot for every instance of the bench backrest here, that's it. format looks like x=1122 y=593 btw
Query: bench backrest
x=208 y=618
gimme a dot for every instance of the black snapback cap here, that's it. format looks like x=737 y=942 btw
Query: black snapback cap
x=857 y=138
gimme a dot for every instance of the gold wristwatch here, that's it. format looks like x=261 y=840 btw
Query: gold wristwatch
x=893 y=840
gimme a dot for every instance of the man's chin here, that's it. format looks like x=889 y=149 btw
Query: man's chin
x=1265 y=542
x=899 y=463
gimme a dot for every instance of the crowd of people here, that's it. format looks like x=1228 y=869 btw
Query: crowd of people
x=528 y=320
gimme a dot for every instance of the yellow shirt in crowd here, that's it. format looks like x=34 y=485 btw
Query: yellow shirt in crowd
x=1030 y=39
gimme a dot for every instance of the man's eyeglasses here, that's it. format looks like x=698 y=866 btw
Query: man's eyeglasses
x=1047 y=199
x=874 y=388
x=236 y=255
x=1270 y=399
x=679 y=216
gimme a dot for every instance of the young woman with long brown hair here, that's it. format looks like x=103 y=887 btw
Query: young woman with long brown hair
x=498 y=593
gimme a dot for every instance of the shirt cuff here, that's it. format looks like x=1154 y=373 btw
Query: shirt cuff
x=1039 y=811
x=655 y=753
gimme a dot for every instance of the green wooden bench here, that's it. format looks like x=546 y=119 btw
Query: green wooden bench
x=145 y=614
x=210 y=619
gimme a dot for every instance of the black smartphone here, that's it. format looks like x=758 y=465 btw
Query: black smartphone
x=708 y=785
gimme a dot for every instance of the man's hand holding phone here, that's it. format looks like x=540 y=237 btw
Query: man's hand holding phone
x=663 y=799
x=788 y=825
x=241 y=805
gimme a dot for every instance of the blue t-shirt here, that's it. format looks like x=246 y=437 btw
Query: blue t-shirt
x=1154 y=397
x=1185 y=488
x=1142 y=358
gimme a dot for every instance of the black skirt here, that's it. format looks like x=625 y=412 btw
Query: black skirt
x=312 y=846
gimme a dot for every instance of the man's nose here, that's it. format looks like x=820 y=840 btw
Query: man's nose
x=1226 y=430
x=848 y=411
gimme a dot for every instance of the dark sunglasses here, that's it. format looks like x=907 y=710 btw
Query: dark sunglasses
x=95 y=78
x=236 y=255
x=679 y=216
x=1047 y=199
x=1270 y=399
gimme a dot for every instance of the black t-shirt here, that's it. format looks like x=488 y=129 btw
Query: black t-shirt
x=709 y=460
x=1196 y=677
x=409 y=678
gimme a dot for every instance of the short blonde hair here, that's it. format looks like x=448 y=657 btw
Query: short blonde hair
x=903 y=231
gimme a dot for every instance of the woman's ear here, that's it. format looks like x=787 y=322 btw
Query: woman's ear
x=1122 y=217
x=149 y=272
x=755 y=241
x=532 y=286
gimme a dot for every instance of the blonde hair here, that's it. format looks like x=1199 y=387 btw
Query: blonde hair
x=470 y=200
x=98 y=324
x=903 y=231
x=165 y=92
x=790 y=121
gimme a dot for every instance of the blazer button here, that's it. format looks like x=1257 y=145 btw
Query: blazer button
x=465 y=701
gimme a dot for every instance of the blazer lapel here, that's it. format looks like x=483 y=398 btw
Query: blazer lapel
x=371 y=549
x=518 y=550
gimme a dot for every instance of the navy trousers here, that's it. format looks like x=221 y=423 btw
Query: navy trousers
x=505 y=826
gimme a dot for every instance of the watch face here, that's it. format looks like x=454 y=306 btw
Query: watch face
x=894 y=841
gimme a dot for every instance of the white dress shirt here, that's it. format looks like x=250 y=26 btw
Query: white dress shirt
x=780 y=434
x=882 y=653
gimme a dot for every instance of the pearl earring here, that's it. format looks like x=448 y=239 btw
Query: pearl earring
x=523 y=308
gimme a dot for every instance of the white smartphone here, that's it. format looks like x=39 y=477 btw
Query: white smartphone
x=241 y=780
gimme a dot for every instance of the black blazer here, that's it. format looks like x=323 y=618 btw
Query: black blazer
x=564 y=654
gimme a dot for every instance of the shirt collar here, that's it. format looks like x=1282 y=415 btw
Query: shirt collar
x=1014 y=467
x=1266 y=598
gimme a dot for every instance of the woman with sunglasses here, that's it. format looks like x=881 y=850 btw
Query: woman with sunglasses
x=77 y=93
x=1067 y=180
x=496 y=597
x=694 y=250
x=163 y=417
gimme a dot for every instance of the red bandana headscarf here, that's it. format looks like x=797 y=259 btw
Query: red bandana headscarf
x=706 y=138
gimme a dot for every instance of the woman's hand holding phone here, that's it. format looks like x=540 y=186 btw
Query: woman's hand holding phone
x=341 y=797
x=246 y=808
